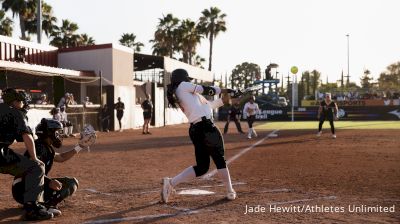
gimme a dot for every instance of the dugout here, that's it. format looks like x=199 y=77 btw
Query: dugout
x=37 y=80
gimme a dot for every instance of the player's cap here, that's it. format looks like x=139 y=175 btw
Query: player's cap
x=10 y=95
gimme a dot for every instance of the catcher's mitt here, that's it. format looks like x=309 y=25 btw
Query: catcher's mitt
x=88 y=136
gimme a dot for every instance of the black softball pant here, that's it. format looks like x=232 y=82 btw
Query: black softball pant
x=51 y=197
x=208 y=142
x=250 y=120
x=18 y=165
x=321 y=122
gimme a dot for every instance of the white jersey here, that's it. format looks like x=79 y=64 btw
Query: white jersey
x=194 y=105
x=250 y=109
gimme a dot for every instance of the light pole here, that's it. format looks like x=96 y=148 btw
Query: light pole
x=294 y=71
x=39 y=21
x=348 y=59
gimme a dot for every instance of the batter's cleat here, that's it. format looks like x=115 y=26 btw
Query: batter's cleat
x=167 y=189
x=333 y=136
x=255 y=133
x=319 y=134
x=249 y=136
x=231 y=196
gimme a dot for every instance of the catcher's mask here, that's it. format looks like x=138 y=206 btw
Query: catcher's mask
x=180 y=75
x=50 y=128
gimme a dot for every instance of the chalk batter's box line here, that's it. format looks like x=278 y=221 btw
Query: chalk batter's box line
x=94 y=191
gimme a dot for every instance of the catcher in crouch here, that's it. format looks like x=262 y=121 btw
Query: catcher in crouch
x=206 y=137
x=55 y=189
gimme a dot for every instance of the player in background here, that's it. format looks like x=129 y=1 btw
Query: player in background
x=234 y=114
x=206 y=137
x=55 y=189
x=251 y=109
x=120 y=107
x=328 y=110
x=147 y=107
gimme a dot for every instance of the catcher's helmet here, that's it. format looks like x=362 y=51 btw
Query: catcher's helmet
x=11 y=94
x=50 y=128
x=180 y=75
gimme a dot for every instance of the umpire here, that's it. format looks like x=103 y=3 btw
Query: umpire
x=234 y=115
x=13 y=123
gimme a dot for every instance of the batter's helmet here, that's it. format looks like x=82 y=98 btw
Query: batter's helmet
x=49 y=128
x=10 y=95
x=180 y=75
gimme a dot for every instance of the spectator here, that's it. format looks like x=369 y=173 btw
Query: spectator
x=105 y=118
x=71 y=100
x=64 y=101
x=1 y=96
x=87 y=101
x=120 y=107
x=43 y=100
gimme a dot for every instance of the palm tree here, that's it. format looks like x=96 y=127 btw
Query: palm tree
x=22 y=8
x=128 y=40
x=85 y=40
x=211 y=24
x=165 y=43
x=6 y=24
x=49 y=22
x=65 y=36
x=188 y=37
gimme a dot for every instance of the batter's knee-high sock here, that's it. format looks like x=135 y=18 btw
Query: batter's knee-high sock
x=71 y=128
x=184 y=176
x=250 y=132
x=254 y=132
x=332 y=127
x=226 y=178
x=320 y=125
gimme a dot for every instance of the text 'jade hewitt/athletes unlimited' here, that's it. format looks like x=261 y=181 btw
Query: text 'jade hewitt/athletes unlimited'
x=273 y=208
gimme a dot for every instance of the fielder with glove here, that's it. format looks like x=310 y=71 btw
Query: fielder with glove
x=328 y=110
x=55 y=189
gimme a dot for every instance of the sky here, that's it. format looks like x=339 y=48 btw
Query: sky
x=309 y=34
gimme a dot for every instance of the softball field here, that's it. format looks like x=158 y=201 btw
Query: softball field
x=292 y=178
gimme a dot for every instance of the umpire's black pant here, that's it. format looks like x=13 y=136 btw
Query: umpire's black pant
x=239 y=128
x=208 y=141
x=20 y=166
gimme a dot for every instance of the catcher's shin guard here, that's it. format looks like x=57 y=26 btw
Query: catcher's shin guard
x=69 y=187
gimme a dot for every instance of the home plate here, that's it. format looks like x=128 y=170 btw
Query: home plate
x=195 y=192
x=272 y=135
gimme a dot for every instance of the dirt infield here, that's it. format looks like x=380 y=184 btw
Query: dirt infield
x=120 y=179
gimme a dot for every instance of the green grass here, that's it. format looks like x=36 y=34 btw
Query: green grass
x=297 y=125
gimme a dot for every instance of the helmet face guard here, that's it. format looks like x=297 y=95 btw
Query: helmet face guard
x=56 y=139
x=52 y=129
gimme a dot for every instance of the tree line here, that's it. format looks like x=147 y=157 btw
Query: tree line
x=174 y=37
